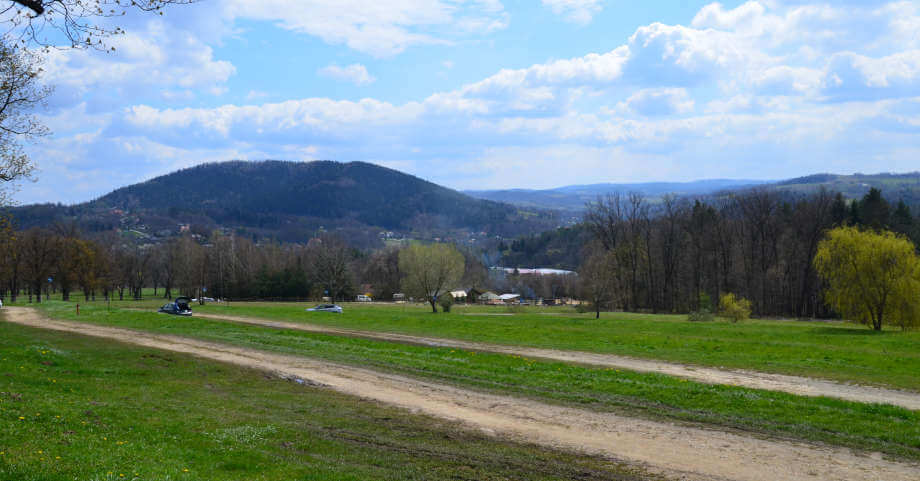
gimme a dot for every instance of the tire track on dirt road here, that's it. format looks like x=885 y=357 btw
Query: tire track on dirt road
x=802 y=386
x=681 y=452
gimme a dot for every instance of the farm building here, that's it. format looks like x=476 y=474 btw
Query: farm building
x=489 y=297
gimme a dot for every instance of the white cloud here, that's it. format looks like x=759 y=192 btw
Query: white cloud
x=290 y=121
x=154 y=58
x=378 y=28
x=656 y=102
x=852 y=76
x=256 y=95
x=575 y=11
x=354 y=73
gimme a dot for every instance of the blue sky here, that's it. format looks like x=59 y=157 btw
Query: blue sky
x=491 y=93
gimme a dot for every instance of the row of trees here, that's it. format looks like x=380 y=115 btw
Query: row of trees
x=37 y=261
x=41 y=259
x=758 y=244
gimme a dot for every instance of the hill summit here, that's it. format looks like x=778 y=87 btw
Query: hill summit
x=290 y=201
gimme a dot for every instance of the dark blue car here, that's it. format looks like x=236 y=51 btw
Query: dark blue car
x=180 y=307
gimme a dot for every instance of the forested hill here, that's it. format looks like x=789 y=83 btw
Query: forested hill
x=894 y=187
x=290 y=200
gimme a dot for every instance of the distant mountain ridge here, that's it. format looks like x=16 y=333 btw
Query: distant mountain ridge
x=574 y=197
x=291 y=201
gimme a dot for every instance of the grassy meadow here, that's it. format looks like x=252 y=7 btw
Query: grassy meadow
x=74 y=407
x=888 y=429
x=831 y=350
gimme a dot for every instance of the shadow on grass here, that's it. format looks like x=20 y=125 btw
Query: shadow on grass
x=850 y=331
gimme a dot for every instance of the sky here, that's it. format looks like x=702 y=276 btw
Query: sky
x=490 y=94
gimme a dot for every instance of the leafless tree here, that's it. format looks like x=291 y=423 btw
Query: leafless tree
x=81 y=22
x=330 y=258
x=598 y=281
x=38 y=250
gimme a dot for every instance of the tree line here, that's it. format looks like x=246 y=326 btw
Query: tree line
x=760 y=244
x=39 y=261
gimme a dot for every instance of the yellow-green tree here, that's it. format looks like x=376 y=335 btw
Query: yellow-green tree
x=430 y=270
x=872 y=277
x=734 y=308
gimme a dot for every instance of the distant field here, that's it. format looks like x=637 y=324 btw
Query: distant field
x=831 y=350
x=89 y=409
x=892 y=430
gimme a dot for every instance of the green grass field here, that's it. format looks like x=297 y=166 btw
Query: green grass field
x=831 y=350
x=89 y=409
x=891 y=430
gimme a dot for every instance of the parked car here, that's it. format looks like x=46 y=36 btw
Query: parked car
x=363 y=298
x=179 y=307
x=326 y=308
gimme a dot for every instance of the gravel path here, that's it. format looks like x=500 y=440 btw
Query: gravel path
x=802 y=386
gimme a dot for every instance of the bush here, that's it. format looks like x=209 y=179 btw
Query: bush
x=584 y=307
x=735 y=308
x=446 y=301
x=702 y=315
x=705 y=303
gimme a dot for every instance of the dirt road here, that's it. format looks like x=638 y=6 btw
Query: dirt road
x=758 y=380
x=676 y=451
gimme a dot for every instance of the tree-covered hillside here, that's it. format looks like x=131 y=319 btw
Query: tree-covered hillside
x=289 y=200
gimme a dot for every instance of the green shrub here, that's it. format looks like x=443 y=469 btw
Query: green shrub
x=705 y=303
x=584 y=307
x=735 y=308
x=446 y=301
x=701 y=315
